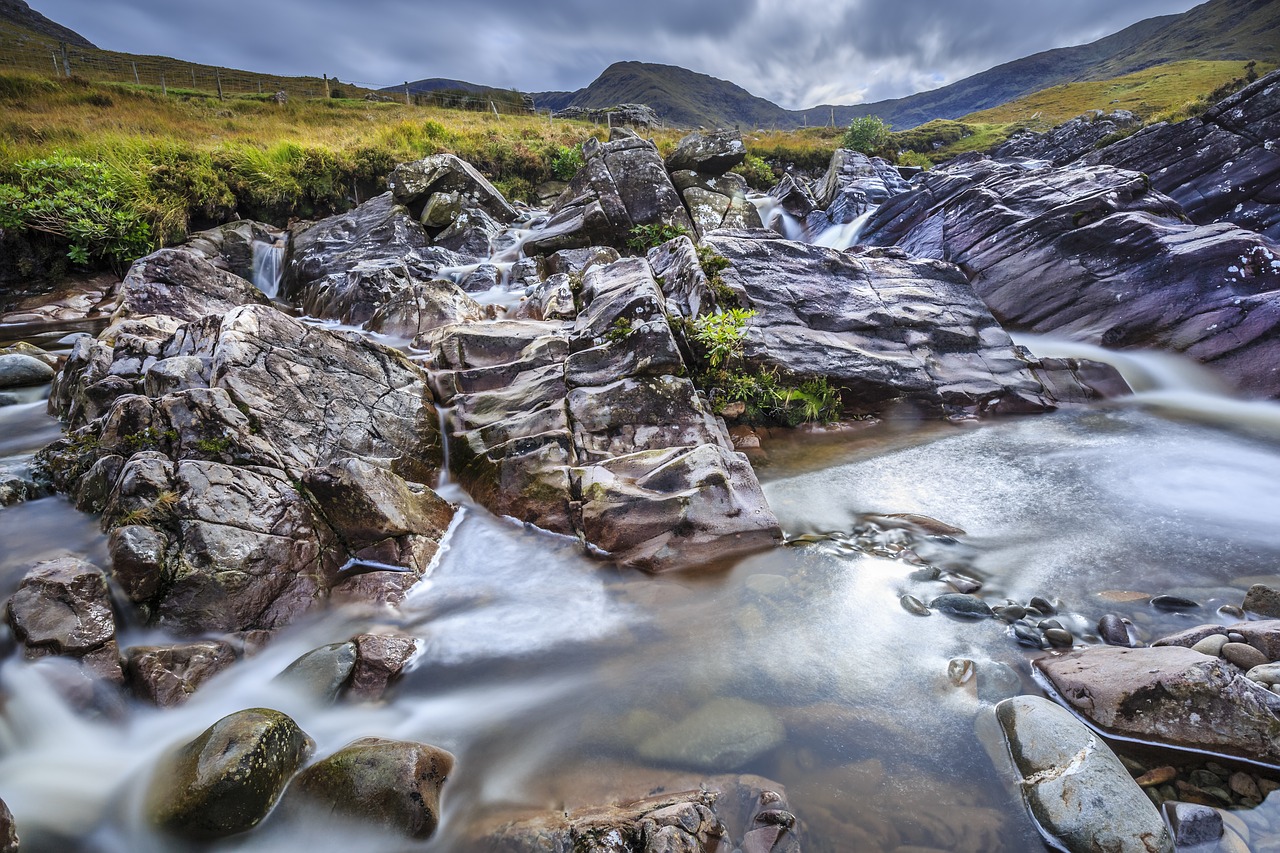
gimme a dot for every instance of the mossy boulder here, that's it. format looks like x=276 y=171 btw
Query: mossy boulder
x=227 y=779
x=395 y=784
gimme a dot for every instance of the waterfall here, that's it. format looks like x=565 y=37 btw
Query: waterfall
x=844 y=235
x=267 y=267
x=773 y=216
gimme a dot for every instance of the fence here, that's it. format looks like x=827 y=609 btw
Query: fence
x=22 y=50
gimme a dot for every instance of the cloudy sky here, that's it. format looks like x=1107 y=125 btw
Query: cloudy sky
x=797 y=53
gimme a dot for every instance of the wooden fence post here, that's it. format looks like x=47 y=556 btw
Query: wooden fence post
x=193 y=77
x=135 y=73
x=164 y=89
x=66 y=60
x=326 y=85
x=406 y=94
x=54 y=54
x=217 y=75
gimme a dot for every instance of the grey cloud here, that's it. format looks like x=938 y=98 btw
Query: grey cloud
x=795 y=52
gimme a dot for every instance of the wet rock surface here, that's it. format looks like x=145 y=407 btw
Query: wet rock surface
x=63 y=608
x=1221 y=166
x=392 y=784
x=880 y=325
x=227 y=779
x=623 y=184
x=1095 y=253
x=1070 y=140
x=168 y=675
x=1074 y=785
x=1170 y=695
x=8 y=831
x=590 y=429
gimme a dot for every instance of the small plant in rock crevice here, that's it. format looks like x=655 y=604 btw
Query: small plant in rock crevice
x=721 y=336
x=713 y=264
x=645 y=237
x=619 y=330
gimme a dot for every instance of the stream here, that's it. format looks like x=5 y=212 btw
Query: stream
x=558 y=682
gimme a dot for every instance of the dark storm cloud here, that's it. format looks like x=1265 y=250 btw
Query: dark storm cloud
x=795 y=52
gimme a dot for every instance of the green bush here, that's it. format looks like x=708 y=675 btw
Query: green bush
x=88 y=205
x=867 y=134
x=565 y=162
x=720 y=336
x=758 y=173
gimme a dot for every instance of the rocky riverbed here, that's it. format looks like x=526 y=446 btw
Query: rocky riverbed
x=472 y=529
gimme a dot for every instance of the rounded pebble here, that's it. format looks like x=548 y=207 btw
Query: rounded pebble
x=913 y=605
x=1173 y=602
x=1113 y=631
x=928 y=573
x=1211 y=645
x=1026 y=634
x=1049 y=625
x=960 y=583
x=958 y=604
x=1235 y=637
x=959 y=671
x=1059 y=637
x=1009 y=612
x=1232 y=611
x=1043 y=605
x=1243 y=655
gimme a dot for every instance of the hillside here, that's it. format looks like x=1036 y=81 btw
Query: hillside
x=1219 y=30
x=17 y=12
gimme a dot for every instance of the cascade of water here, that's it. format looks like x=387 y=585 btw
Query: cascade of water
x=773 y=216
x=444 y=413
x=267 y=267
x=844 y=235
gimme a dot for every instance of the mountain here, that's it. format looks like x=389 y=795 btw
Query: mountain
x=20 y=14
x=444 y=84
x=1217 y=30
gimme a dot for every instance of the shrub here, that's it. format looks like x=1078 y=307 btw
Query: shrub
x=867 y=134
x=565 y=162
x=88 y=205
x=720 y=336
x=645 y=237
x=758 y=173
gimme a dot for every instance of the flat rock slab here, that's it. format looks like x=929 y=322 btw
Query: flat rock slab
x=1169 y=695
x=1078 y=791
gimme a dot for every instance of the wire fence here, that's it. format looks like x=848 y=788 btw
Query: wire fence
x=22 y=50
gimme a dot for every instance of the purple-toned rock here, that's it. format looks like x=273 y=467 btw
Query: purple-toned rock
x=63 y=607
x=168 y=675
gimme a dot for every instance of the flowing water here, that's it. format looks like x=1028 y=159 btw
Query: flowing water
x=559 y=682
x=268 y=267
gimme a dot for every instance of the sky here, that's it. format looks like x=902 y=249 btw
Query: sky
x=796 y=53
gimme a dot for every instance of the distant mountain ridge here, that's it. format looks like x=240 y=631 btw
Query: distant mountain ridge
x=19 y=13
x=1216 y=30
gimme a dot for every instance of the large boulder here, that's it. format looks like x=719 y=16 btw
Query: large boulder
x=182 y=285
x=1170 y=695
x=63 y=607
x=1070 y=140
x=414 y=184
x=1093 y=252
x=1221 y=166
x=716 y=201
x=226 y=780
x=200 y=456
x=880 y=325
x=235 y=247
x=591 y=429
x=18 y=370
x=394 y=785
x=1078 y=791
x=711 y=153
x=622 y=184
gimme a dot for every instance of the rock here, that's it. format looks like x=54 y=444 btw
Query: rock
x=1113 y=631
x=693 y=815
x=21 y=481
x=1221 y=166
x=716 y=202
x=380 y=659
x=914 y=606
x=8 y=831
x=724 y=733
x=181 y=285
x=959 y=604
x=853 y=184
x=63 y=607
x=392 y=784
x=412 y=184
x=231 y=247
x=1193 y=824
x=1078 y=791
x=1211 y=645
x=1070 y=140
x=1094 y=252
x=168 y=675
x=1170 y=695
x=623 y=184
x=17 y=370
x=1191 y=636
x=880 y=326
x=1157 y=776
x=592 y=430
x=227 y=779
x=1173 y=602
x=711 y=153
x=1263 y=601
x=617 y=116
x=324 y=672
x=1268 y=674
x=1243 y=655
